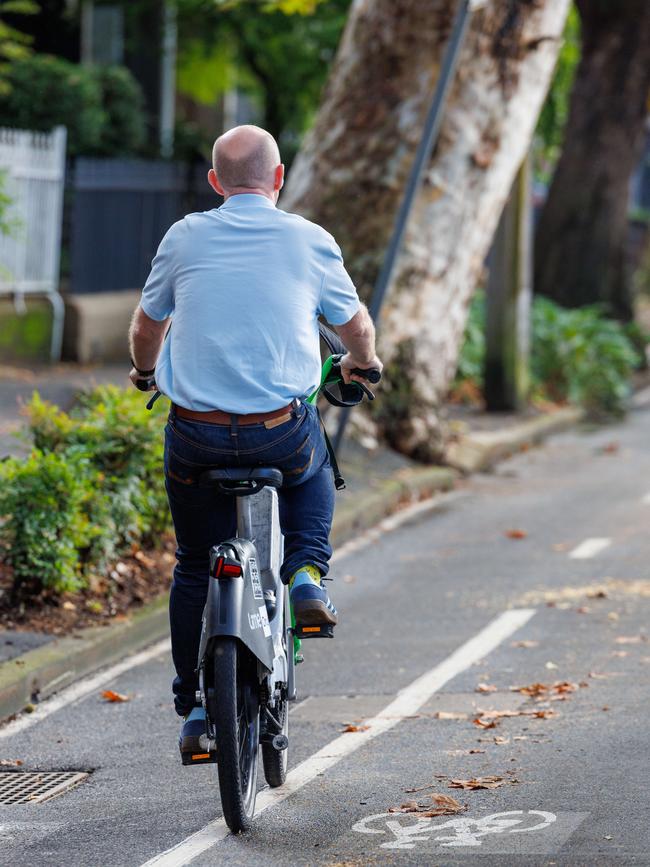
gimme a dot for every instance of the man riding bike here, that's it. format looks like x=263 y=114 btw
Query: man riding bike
x=244 y=285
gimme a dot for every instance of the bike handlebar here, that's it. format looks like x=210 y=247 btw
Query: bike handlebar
x=371 y=373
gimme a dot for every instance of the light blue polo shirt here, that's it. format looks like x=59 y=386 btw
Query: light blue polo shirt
x=244 y=285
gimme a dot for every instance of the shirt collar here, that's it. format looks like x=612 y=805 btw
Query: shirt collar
x=248 y=200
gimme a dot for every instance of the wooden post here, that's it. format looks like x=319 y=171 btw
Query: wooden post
x=507 y=335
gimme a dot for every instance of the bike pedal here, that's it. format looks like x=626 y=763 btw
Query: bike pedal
x=199 y=758
x=326 y=630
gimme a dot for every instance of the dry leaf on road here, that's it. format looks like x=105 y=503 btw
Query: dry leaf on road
x=441 y=805
x=525 y=643
x=485 y=687
x=480 y=783
x=630 y=639
x=10 y=763
x=350 y=727
x=516 y=534
x=109 y=695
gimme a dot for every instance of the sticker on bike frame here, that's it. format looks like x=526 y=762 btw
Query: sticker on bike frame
x=265 y=621
x=255 y=578
x=408 y=831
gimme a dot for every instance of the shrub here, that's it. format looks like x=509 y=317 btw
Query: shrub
x=44 y=520
x=102 y=107
x=92 y=486
x=577 y=355
x=46 y=91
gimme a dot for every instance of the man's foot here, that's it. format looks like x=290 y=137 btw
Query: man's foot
x=309 y=600
x=191 y=730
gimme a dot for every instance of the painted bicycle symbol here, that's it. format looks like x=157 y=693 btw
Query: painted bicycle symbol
x=460 y=831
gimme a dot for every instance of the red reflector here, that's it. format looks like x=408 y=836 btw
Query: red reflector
x=224 y=567
x=230 y=571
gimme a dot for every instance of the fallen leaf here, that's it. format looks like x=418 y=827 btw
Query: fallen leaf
x=109 y=695
x=441 y=805
x=550 y=665
x=10 y=763
x=583 y=610
x=630 y=639
x=602 y=675
x=605 y=707
x=516 y=534
x=480 y=783
x=485 y=687
x=610 y=449
x=620 y=653
x=484 y=723
x=560 y=546
x=473 y=752
x=449 y=714
x=355 y=728
x=525 y=643
x=613 y=615
x=501 y=740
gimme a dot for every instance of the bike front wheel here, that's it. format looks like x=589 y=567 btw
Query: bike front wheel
x=237 y=727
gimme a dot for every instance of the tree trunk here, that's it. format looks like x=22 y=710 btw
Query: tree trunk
x=582 y=233
x=352 y=169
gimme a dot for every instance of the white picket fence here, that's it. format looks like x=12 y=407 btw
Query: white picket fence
x=32 y=174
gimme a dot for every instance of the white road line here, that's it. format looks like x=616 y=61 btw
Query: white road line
x=83 y=688
x=407 y=702
x=589 y=548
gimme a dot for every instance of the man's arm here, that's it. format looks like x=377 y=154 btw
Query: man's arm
x=359 y=336
x=146 y=338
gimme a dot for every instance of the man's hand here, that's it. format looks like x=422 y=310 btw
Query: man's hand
x=136 y=377
x=348 y=364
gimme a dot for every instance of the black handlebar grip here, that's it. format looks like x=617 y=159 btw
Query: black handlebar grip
x=371 y=374
x=145 y=383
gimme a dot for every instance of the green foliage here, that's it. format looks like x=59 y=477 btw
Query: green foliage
x=92 y=486
x=102 y=107
x=579 y=356
x=14 y=45
x=279 y=60
x=549 y=135
x=122 y=99
x=44 y=520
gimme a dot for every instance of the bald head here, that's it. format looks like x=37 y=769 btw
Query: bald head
x=246 y=158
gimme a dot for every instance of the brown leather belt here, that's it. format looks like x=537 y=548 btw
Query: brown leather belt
x=216 y=416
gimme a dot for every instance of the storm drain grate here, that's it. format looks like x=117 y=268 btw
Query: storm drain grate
x=34 y=787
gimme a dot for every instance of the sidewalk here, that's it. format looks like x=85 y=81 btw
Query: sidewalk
x=33 y=665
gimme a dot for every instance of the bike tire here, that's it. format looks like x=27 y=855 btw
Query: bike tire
x=237 y=725
x=274 y=761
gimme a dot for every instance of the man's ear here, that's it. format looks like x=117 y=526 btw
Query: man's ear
x=278 y=180
x=213 y=180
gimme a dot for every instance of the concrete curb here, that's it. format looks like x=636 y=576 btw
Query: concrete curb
x=481 y=450
x=39 y=673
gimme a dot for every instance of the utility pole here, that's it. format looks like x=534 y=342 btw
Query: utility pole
x=507 y=336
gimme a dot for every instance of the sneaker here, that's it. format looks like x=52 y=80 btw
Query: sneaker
x=309 y=600
x=191 y=730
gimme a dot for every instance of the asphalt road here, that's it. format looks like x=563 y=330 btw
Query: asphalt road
x=573 y=785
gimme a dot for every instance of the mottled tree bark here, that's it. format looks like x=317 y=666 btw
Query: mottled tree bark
x=351 y=172
x=581 y=237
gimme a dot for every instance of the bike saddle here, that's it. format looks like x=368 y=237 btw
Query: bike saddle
x=241 y=481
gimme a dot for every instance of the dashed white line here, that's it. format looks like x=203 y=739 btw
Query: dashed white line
x=83 y=688
x=589 y=548
x=406 y=703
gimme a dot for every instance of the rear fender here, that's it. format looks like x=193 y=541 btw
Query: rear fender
x=235 y=606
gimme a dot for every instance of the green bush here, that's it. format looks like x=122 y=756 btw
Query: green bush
x=579 y=356
x=92 y=486
x=102 y=107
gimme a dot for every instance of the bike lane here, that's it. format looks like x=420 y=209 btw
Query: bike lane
x=410 y=601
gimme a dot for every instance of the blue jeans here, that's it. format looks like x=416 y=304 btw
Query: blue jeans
x=203 y=517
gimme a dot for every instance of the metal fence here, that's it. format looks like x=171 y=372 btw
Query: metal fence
x=118 y=210
x=32 y=170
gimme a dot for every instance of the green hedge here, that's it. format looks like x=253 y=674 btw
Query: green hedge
x=579 y=356
x=92 y=486
x=102 y=107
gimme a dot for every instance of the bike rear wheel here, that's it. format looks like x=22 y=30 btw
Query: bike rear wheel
x=275 y=761
x=236 y=714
